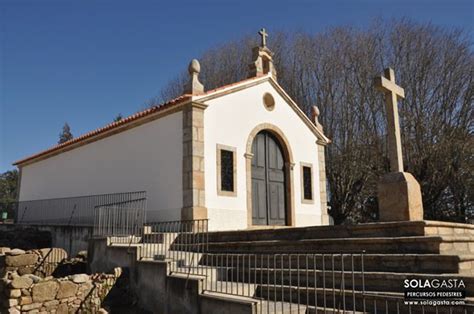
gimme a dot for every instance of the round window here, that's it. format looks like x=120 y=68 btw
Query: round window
x=268 y=101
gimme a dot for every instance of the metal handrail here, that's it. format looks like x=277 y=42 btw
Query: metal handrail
x=76 y=210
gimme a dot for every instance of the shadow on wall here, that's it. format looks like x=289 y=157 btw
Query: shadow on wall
x=24 y=238
x=73 y=239
x=121 y=299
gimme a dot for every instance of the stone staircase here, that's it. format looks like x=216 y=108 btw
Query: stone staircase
x=326 y=269
x=409 y=247
x=392 y=252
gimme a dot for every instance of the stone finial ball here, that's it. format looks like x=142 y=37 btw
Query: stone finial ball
x=316 y=111
x=194 y=67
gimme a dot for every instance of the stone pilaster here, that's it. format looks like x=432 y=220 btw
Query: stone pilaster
x=322 y=184
x=194 y=205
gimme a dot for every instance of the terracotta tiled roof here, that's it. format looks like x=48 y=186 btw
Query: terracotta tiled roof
x=229 y=85
x=125 y=121
x=109 y=127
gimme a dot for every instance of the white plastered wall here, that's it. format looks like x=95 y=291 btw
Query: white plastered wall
x=228 y=121
x=147 y=157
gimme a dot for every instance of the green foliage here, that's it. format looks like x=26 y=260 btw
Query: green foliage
x=8 y=192
x=118 y=117
x=8 y=186
x=66 y=134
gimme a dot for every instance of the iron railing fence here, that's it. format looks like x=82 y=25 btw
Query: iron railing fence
x=77 y=210
x=288 y=283
x=183 y=242
x=122 y=221
x=307 y=283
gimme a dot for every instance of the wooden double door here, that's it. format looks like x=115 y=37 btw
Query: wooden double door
x=268 y=181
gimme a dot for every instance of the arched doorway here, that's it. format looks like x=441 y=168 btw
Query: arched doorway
x=269 y=180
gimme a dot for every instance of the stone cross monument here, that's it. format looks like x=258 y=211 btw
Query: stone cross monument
x=399 y=193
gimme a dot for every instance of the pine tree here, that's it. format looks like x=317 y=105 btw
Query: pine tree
x=66 y=134
x=118 y=118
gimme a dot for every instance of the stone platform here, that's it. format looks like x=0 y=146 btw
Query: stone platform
x=421 y=246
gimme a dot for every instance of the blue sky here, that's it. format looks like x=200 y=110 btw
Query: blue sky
x=86 y=61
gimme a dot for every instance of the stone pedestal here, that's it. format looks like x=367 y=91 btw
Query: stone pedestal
x=399 y=197
x=193 y=213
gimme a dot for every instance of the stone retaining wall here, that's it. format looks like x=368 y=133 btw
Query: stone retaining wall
x=27 y=287
x=73 y=239
x=40 y=262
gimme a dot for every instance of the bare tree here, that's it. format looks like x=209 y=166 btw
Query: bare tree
x=335 y=70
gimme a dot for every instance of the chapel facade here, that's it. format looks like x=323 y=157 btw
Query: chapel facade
x=243 y=156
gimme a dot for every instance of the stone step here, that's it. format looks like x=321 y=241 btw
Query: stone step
x=412 y=263
x=373 y=281
x=215 y=302
x=346 y=300
x=280 y=307
x=336 y=299
x=181 y=258
x=445 y=245
x=367 y=230
x=229 y=287
x=322 y=310
x=153 y=250
x=233 y=293
x=161 y=250
x=159 y=237
x=448 y=228
x=242 y=278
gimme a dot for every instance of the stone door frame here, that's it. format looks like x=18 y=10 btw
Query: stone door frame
x=289 y=166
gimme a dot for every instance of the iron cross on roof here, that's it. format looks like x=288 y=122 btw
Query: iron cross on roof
x=263 y=33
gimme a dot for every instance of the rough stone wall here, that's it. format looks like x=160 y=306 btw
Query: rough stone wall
x=40 y=262
x=22 y=291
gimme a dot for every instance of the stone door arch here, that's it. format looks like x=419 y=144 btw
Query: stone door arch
x=275 y=133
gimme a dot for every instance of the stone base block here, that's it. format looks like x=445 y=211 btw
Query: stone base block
x=325 y=220
x=193 y=213
x=399 y=197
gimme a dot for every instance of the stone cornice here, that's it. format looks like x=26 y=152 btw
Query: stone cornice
x=198 y=105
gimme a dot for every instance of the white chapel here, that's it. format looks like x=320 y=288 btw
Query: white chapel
x=242 y=155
